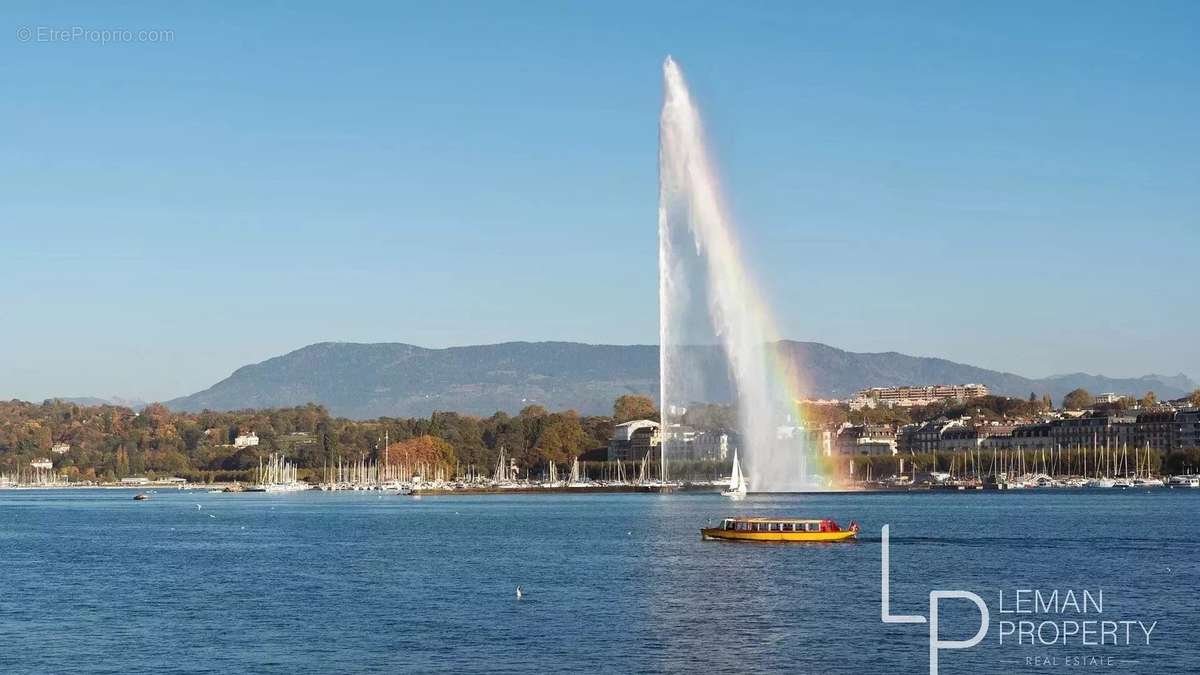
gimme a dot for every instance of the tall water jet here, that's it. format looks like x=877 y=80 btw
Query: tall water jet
x=711 y=310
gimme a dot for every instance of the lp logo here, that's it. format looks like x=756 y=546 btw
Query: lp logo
x=935 y=641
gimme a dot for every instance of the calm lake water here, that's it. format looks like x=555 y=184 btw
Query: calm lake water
x=91 y=581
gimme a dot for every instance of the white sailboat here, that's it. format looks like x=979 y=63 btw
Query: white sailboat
x=578 y=480
x=737 y=482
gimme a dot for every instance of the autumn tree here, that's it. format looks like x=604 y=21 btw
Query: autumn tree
x=1195 y=398
x=534 y=410
x=712 y=417
x=1149 y=400
x=1077 y=399
x=562 y=440
x=424 y=450
x=634 y=407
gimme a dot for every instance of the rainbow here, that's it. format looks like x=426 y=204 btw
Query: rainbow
x=707 y=295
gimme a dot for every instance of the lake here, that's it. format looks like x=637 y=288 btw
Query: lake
x=92 y=581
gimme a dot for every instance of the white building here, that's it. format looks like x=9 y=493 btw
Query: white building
x=60 y=448
x=710 y=445
x=817 y=439
x=246 y=440
x=631 y=441
x=42 y=463
x=906 y=397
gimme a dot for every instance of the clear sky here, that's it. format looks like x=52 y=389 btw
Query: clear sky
x=1012 y=185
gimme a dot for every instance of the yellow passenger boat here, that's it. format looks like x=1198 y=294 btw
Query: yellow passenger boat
x=780 y=529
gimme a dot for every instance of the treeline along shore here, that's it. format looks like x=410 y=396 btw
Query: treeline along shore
x=106 y=443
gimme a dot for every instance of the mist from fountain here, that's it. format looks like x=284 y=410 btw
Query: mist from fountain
x=708 y=301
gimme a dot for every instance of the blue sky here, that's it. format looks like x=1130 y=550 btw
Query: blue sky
x=1012 y=185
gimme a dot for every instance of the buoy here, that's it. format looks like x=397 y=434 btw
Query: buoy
x=520 y=593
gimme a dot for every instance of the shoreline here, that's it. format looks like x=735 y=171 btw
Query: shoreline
x=617 y=489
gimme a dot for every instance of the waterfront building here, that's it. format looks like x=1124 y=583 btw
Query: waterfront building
x=1161 y=429
x=710 y=445
x=1187 y=429
x=1022 y=437
x=804 y=438
x=1155 y=429
x=928 y=437
x=1100 y=430
x=866 y=439
x=819 y=439
x=630 y=441
x=872 y=447
x=246 y=440
x=41 y=463
x=961 y=438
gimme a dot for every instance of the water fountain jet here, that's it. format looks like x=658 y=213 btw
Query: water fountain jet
x=709 y=302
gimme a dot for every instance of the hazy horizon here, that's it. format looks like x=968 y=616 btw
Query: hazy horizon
x=1010 y=186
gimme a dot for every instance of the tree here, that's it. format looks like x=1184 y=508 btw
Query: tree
x=1149 y=400
x=1077 y=399
x=562 y=441
x=534 y=410
x=711 y=417
x=1195 y=398
x=634 y=407
x=425 y=450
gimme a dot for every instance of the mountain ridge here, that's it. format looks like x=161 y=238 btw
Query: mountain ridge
x=365 y=380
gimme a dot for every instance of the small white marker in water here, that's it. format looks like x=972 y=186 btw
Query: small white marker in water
x=520 y=593
x=211 y=516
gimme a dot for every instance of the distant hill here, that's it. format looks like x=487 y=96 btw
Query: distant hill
x=131 y=403
x=838 y=374
x=371 y=380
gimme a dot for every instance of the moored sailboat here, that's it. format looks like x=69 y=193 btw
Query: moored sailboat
x=737 y=482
